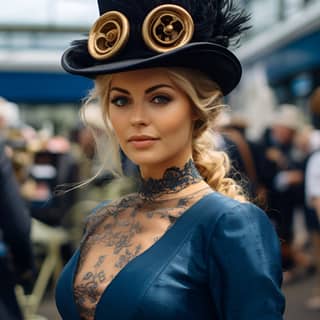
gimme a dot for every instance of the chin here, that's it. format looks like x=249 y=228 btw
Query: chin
x=145 y=160
x=156 y=156
x=147 y=157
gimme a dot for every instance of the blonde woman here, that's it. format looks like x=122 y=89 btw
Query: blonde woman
x=187 y=245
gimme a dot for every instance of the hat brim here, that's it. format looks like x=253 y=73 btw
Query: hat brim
x=216 y=61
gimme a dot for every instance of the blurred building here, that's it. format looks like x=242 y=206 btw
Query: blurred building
x=280 y=58
x=280 y=52
x=285 y=40
x=32 y=39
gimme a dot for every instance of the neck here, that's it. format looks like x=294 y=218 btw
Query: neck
x=173 y=180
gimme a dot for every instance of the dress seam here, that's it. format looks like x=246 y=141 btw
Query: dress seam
x=163 y=268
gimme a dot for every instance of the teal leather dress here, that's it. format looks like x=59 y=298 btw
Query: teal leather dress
x=220 y=260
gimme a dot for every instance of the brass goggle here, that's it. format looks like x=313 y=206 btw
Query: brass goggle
x=165 y=28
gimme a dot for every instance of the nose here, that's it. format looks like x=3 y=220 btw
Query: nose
x=139 y=116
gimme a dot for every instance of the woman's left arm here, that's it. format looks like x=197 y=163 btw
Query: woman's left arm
x=245 y=266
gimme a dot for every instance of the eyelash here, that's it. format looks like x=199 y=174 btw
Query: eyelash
x=162 y=97
x=115 y=101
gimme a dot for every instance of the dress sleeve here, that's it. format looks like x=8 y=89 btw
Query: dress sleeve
x=245 y=266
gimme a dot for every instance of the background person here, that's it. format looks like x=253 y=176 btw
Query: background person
x=313 y=200
x=16 y=258
x=283 y=176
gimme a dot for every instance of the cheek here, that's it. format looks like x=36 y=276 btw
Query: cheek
x=176 y=124
x=118 y=124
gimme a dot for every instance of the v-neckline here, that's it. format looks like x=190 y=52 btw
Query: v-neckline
x=131 y=263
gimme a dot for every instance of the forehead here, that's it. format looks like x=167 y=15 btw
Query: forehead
x=143 y=77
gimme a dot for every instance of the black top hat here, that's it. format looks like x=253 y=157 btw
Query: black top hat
x=136 y=34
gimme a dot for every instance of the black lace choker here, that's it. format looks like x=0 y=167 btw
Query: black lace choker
x=174 y=179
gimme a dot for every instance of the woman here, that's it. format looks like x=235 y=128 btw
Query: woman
x=187 y=245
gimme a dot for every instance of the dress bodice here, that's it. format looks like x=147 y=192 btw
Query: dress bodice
x=219 y=260
x=119 y=232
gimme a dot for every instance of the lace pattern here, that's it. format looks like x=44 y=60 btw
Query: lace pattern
x=173 y=180
x=122 y=230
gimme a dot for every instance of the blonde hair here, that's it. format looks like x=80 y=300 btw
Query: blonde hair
x=206 y=97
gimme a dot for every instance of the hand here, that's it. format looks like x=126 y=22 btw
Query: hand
x=275 y=155
x=294 y=177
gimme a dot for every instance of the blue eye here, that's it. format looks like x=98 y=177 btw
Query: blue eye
x=120 y=101
x=161 y=99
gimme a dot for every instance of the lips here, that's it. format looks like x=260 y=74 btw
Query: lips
x=141 y=138
x=141 y=142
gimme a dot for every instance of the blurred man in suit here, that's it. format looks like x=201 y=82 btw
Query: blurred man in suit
x=16 y=259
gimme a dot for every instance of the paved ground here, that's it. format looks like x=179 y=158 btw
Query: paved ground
x=296 y=294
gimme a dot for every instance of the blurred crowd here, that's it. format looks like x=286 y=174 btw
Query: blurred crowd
x=280 y=170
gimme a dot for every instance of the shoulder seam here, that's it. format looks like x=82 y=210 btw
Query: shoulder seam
x=223 y=213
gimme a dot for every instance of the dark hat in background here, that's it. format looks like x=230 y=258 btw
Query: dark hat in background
x=137 y=34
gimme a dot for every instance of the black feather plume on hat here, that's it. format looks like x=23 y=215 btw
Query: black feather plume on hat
x=223 y=21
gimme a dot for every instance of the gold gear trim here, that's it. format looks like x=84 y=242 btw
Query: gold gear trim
x=167 y=27
x=108 y=35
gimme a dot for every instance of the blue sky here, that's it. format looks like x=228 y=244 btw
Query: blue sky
x=56 y=12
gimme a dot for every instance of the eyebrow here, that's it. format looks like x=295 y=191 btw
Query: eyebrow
x=158 y=87
x=119 y=89
x=149 y=90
